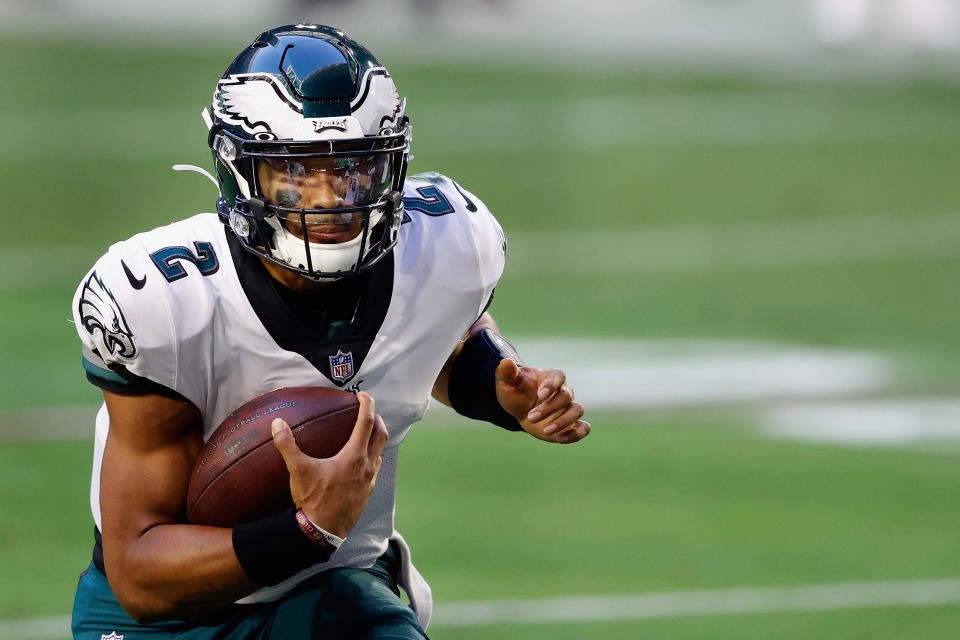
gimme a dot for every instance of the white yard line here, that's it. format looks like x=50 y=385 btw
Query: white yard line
x=605 y=122
x=741 y=245
x=673 y=248
x=635 y=606
x=675 y=374
x=675 y=120
x=790 y=391
x=35 y=628
x=624 y=374
x=930 y=424
x=679 y=604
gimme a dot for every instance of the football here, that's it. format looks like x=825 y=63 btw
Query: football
x=240 y=476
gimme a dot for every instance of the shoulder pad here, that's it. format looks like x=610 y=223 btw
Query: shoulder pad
x=458 y=229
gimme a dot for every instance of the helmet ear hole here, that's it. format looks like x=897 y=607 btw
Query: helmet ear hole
x=258 y=208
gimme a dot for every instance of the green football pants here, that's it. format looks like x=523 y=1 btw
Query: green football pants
x=340 y=603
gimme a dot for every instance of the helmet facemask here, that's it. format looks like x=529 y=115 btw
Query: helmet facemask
x=323 y=209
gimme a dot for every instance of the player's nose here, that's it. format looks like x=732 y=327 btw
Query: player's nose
x=322 y=196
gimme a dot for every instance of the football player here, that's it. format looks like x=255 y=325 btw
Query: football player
x=324 y=265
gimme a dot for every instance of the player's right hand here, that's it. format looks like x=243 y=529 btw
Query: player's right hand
x=334 y=491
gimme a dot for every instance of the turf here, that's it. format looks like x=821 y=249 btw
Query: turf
x=889 y=624
x=663 y=503
x=657 y=506
x=668 y=505
x=46 y=534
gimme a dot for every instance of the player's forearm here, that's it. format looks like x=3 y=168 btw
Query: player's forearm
x=441 y=388
x=175 y=571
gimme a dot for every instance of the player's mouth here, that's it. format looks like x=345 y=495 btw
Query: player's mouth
x=331 y=234
x=326 y=231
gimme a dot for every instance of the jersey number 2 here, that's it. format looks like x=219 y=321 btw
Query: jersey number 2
x=168 y=260
x=431 y=202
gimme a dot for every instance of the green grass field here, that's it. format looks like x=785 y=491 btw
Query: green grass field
x=824 y=213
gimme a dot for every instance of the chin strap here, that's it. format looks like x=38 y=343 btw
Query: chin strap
x=396 y=218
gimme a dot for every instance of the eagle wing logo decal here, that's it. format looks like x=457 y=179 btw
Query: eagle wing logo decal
x=104 y=321
x=259 y=104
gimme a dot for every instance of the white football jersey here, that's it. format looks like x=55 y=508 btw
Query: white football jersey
x=170 y=305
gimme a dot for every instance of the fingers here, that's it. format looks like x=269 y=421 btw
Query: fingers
x=560 y=422
x=559 y=400
x=378 y=439
x=554 y=379
x=364 y=425
x=558 y=411
x=284 y=442
x=576 y=432
x=370 y=434
x=507 y=371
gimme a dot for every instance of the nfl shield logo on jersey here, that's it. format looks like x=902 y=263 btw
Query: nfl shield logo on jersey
x=341 y=366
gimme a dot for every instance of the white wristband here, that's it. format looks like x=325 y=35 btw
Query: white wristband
x=315 y=532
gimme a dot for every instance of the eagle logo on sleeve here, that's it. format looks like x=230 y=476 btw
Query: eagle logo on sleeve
x=104 y=321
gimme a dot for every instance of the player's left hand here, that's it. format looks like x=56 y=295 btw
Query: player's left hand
x=542 y=401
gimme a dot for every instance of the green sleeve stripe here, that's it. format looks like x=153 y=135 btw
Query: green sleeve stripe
x=100 y=372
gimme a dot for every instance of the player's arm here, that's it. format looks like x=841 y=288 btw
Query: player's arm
x=161 y=568
x=158 y=567
x=482 y=379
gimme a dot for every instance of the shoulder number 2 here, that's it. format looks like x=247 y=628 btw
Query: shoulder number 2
x=169 y=260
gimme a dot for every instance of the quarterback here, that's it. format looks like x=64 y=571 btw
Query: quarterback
x=324 y=265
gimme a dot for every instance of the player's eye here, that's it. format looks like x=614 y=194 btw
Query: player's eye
x=288 y=197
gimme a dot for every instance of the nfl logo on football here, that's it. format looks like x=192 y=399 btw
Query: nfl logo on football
x=341 y=366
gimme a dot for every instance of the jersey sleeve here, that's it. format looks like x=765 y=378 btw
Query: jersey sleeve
x=490 y=244
x=128 y=343
x=462 y=238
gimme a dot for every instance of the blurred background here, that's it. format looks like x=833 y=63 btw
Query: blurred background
x=736 y=223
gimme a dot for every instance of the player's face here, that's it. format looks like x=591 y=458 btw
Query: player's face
x=323 y=183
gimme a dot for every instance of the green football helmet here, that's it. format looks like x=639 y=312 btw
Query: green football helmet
x=310 y=142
